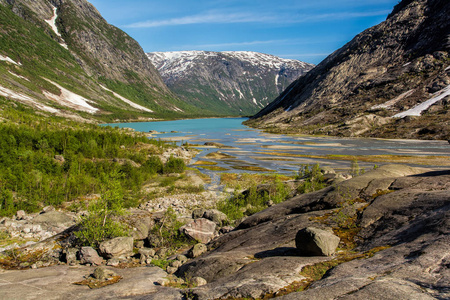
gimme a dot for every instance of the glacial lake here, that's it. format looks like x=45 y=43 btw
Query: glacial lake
x=248 y=148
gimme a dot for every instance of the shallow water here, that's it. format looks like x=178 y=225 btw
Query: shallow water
x=281 y=153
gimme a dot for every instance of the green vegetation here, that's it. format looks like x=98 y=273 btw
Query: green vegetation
x=313 y=179
x=167 y=232
x=52 y=161
x=253 y=200
x=100 y=223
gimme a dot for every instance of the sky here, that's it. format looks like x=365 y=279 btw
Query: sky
x=307 y=30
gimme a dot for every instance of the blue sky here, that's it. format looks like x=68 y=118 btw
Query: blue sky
x=304 y=30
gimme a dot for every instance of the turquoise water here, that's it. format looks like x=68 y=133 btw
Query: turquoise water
x=252 y=147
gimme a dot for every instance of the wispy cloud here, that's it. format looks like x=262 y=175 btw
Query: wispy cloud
x=220 y=18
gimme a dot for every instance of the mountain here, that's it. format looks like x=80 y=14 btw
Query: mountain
x=61 y=57
x=227 y=82
x=392 y=80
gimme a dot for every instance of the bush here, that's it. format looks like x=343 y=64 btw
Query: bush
x=174 y=165
x=99 y=224
x=313 y=179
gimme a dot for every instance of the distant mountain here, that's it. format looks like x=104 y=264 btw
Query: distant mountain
x=227 y=83
x=61 y=57
x=392 y=80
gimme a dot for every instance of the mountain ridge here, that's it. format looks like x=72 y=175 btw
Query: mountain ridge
x=404 y=55
x=68 y=44
x=231 y=82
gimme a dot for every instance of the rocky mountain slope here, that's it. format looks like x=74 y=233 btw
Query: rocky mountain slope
x=63 y=58
x=393 y=225
x=227 y=82
x=392 y=80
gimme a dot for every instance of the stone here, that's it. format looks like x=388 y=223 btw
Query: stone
x=88 y=255
x=198 y=281
x=146 y=255
x=201 y=230
x=198 y=213
x=20 y=214
x=313 y=241
x=69 y=255
x=60 y=158
x=171 y=270
x=197 y=250
x=176 y=264
x=181 y=258
x=117 y=247
x=139 y=244
x=216 y=216
x=54 y=218
x=102 y=273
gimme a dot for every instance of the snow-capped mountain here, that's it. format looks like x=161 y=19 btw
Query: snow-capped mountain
x=240 y=82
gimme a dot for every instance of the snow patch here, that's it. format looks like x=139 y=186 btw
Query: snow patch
x=254 y=101
x=70 y=99
x=448 y=68
x=276 y=79
x=240 y=94
x=131 y=103
x=391 y=102
x=5 y=92
x=52 y=23
x=177 y=109
x=18 y=76
x=418 y=109
x=6 y=58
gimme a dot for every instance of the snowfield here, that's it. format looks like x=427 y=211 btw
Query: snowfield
x=5 y=92
x=418 y=109
x=129 y=102
x=70 y=99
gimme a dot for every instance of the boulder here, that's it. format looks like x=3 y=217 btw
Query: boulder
x=88 y=255
x=201 y=230
x=197 y=250
x=198 y=281
x=117 y=247
x=216 y=216
x=54 y=218
x=69 y=255
x=102 y=273
x=20 y=214
x=313 y=241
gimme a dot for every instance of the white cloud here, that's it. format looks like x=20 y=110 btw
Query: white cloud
x=221 y=18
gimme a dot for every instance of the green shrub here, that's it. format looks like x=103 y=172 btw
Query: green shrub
x=99 y=224
x=174 y=165
x=313 y=179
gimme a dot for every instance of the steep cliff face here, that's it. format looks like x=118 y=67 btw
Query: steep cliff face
x=65 y=46
x=373 y=86
x=227 y=82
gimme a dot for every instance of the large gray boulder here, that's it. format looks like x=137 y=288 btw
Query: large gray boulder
x=117 y=247
x=88 y=255
x=313 y=241
x=201 y=230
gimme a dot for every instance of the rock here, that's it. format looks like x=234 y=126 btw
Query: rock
x=197 y=250
x=59 y=158
x=113 y=262
x=198 y=281
x=201 y=230
x=102 y=273
x=171 y=270
x=48 y=209
x=54 y=218
x=146 y=255
x=216 y=216
x=226 y=229
x=20 y=214
x=154 y=240
x=312 y=241
x=181 y=258
x=117 y=247
x=88 y=255
x=162 y=252
x=198 y=213
x=69 y=256
x=176 y=264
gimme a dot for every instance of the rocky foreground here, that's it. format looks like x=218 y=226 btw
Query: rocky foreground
x=393 y=224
